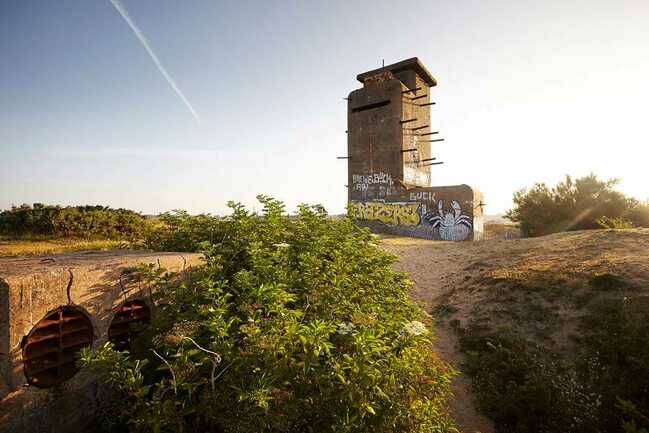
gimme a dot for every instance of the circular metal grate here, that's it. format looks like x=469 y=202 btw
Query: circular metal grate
x=51 y=347
x=128 y=322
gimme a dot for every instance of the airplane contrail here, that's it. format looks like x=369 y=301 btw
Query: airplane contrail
x=122 y=11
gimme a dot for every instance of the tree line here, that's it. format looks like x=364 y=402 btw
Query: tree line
x=83 y=222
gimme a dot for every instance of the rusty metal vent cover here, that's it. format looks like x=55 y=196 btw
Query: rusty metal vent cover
x=51 y=347
x=127 y=323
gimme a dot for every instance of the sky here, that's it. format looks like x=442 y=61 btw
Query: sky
x=247 y=96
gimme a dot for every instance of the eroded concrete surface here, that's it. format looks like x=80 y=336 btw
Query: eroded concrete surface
x=29 y=289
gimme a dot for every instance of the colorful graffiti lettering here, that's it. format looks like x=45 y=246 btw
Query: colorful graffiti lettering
x=388 y=213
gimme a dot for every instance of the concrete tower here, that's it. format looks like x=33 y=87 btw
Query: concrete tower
x=389 y=148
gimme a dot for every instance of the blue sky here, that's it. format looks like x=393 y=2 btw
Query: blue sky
x=528 y=91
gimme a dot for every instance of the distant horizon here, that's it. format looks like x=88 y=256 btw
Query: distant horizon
x=155 y=105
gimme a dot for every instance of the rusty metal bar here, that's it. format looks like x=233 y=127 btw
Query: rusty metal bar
x=433 y=163
x=418 y=97
x=434 y=141
x=407 y=121
x=409 y=150
x=411 y=90
x=343 y=157
x=428 y=159
x=418 y=128
x=427 y=104
x=429 y=133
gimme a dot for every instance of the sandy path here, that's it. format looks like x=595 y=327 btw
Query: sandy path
x=433 y=270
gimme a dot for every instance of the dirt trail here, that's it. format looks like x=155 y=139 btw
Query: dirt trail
x=433 y=268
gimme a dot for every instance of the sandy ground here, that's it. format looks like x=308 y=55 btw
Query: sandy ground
x=431 y=267
x=459 y=275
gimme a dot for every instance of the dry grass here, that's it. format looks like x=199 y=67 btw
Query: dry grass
x=386 y=239
x=536 y=285
x=30 y=247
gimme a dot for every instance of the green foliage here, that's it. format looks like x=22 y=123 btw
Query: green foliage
x=636 y=421
x=180 y=231
x=572 y=205
x=83 y=222
x=614 y=223
x=607 y=281
x=527 y=388
x=615 y=359
x=293 y=324
x=638 y=214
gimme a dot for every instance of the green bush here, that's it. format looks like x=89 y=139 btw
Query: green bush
x=615 y=359
x=578 y=204
x=526 y=389
x=83 y=222
x=293 y=324
x=638 y=214
x=614 y=223
x=180 y=231
x=607 y=281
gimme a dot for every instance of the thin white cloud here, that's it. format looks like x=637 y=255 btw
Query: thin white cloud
x=145 y=43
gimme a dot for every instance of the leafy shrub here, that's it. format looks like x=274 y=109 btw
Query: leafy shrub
x=614 y=223
x=180 y=231
x=293 y=324
x=525 y=389
x=87 y=222
x=638 y=214
x=574 y=205
x=615 y=359
x=607 y=281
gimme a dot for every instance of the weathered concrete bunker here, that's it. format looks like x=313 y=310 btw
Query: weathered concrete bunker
x=52 y=307
x=390 y=160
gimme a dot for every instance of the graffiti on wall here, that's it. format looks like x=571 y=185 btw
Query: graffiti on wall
x=388 y=213
x=423 y=196
x=438 y=222
x=453 y=225
x=361 y=182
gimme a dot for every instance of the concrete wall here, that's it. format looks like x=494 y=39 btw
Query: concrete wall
x=32 y=287
x=450 y=213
